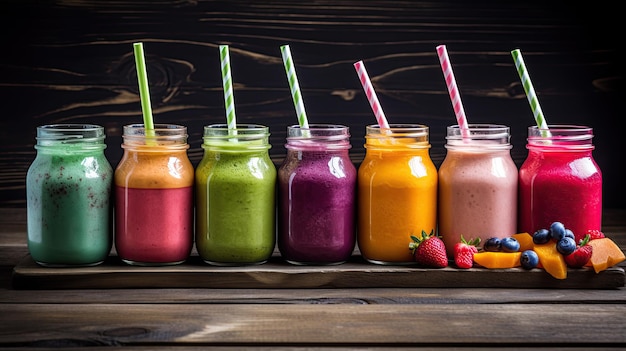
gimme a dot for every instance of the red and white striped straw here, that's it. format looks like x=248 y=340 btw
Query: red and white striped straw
x=455 y=97
x=371 y=95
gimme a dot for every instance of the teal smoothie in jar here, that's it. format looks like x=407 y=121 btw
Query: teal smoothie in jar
x=68 y=190
x=235 y=196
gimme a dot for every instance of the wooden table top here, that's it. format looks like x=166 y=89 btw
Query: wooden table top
x=278 y=306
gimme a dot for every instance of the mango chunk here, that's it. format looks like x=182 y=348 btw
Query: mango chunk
x=551 y=260
x=525 y=241
x=489 y=259
x=606 y=253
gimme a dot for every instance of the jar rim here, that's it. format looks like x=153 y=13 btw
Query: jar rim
x=483 y=131
x=401 y=126
x=157 y=126
x=242 y=126
x=318 y=136
x=70 y=126
x=319 y=126
x=560 y=137
x=560 y=129
x=63 y=133
x=398 y=130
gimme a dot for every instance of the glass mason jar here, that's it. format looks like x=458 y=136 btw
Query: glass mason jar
x=154 y=196
x=560 y=181
x=397 y=192
x=317 y=196
x=235 y=196
x=68 y=190
x=477 y=185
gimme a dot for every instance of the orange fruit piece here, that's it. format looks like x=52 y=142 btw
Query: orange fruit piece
x=605 y=254
x=551 y=260
x=498 y=259
x=525 y=241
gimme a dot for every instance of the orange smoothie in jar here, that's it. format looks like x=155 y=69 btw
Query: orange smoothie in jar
x=397 y=193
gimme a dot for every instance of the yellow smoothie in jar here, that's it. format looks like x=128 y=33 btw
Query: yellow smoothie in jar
x=397 y=197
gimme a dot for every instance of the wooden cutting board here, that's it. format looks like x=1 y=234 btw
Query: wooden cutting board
x=356 y=273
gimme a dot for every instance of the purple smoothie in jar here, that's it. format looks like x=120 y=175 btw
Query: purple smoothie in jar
x=316 y=196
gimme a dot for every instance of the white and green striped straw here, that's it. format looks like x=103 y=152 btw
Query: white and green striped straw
x=530 y=92
x=229 y=100
x=294 y=86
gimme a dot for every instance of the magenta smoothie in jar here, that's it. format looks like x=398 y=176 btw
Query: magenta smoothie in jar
x=316 y=196
x=477 y=185
x=560 y=181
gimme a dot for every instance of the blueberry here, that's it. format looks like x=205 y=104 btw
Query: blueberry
x=541 y=236
x=529 y=259
x=509 y=244
x=569 y=233
x=557 y=231
x=492 y=244
x=566 y=246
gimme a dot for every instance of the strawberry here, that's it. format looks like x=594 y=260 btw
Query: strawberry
x=429 y=250
x=464 y=252
x=595 y=234
x=581 y=255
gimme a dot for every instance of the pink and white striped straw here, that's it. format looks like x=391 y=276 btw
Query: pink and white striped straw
x=455 y=97
x=371 y=95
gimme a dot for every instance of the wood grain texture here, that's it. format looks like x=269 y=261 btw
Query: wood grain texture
x=344 y=324
x=71 y=61
x=476 y=296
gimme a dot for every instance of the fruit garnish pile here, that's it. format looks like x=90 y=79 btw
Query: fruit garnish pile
x=552 y=249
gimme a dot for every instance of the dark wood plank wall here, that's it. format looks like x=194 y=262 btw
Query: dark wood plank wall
x=72 y=61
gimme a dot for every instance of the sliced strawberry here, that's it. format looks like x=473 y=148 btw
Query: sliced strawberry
x=581 y=255
x=595 y=234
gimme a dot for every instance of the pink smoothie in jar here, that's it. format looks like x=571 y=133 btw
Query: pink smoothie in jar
x=560 y=181
x=478 y=185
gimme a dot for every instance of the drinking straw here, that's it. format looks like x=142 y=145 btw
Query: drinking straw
x=530 y=92
x=294 y=86
x=371 y=94
x=229 y=100
x=453 y=90
x=144 y=91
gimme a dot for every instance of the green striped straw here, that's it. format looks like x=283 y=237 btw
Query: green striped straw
x=229 y=100
x=530 y=92
x=144 y=91
x=295 y=87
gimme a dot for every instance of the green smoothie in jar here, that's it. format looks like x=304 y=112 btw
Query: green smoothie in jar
x=235 y=196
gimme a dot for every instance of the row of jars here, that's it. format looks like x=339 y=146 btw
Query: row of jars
x=236 y=206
